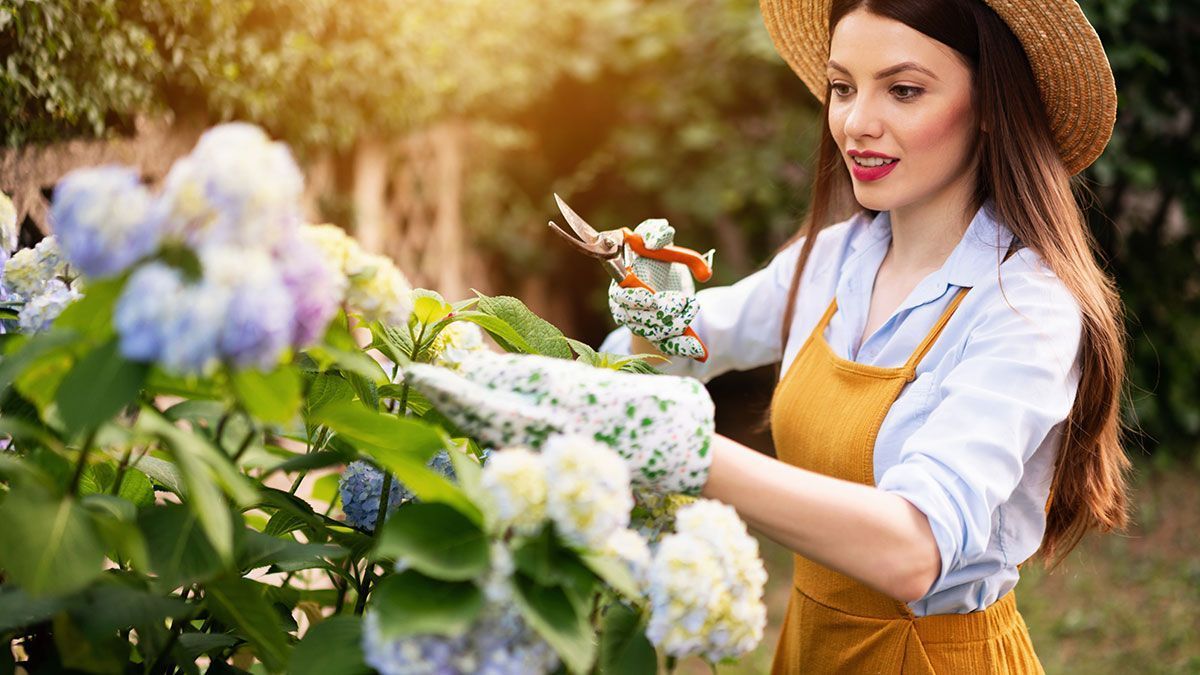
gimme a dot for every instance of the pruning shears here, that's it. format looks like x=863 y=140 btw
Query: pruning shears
x=618 y=250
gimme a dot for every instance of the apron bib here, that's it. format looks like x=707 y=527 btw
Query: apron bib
x=826 y=415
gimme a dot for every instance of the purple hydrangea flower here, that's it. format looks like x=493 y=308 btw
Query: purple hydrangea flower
x=101 y=217
x=315 y=286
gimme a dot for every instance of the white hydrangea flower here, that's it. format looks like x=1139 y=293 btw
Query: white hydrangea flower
x=633 y=551
x=236 y=187
x=589 y=496
x=101 y=216
x=710 y=549
x=377 y=288
x=9 y=230
x=30 y=269
x=23 y=274
x=515 y=479
x=42 y=309
x=455 y=342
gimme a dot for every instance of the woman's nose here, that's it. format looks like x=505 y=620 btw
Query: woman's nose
x=863 y=119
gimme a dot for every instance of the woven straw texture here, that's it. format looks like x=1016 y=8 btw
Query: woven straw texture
x=1068 y=61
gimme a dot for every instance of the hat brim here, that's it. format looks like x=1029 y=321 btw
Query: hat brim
x=1068 y=61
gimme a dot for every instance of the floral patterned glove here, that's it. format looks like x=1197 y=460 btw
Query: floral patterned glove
x=661 y=425
x=659 y=317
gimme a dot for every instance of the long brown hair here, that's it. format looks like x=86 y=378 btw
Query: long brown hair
x=1021 y=172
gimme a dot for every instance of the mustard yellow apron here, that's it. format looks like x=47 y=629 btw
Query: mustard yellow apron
x=826 y=416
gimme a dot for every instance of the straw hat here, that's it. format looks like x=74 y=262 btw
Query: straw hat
x=1068 y=62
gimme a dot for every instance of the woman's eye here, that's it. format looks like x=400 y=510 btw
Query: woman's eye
x=840 y=89
x=904 y=92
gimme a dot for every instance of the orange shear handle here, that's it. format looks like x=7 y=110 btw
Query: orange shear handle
x=694 y=260
x=631 y=280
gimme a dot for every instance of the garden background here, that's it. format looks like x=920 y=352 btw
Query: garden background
x=437 y=132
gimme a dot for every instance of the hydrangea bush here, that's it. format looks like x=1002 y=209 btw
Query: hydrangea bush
x=209 y=462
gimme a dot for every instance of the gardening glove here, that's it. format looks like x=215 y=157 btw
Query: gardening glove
x=661 y=425
x=659 y=317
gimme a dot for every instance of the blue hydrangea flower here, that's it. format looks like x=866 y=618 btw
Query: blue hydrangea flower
x=360 y=488
x=500 y=643
x=153 y=294
x=101 y=218
x=362 y=484
x=191 y=334
x=257 y=326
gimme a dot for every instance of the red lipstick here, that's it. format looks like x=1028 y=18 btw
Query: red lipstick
x=867 y=174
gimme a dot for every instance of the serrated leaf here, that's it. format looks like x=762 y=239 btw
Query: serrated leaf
x=541 y=335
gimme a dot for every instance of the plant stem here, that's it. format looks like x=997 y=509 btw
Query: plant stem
x=121 y=468
x=79 y=466
x=245 y=444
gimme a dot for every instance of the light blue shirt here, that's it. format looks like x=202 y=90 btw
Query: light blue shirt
x=971 y=442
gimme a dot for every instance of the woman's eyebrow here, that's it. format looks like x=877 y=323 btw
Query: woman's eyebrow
x=888 y=72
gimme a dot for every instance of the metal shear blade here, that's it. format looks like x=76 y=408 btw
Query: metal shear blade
x=585 y=237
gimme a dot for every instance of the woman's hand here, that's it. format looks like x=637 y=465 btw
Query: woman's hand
x=662 y=317
x=661 y=425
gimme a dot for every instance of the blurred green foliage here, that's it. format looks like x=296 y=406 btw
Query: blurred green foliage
x=631 y=109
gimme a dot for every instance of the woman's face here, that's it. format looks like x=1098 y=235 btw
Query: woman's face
x=901 y=112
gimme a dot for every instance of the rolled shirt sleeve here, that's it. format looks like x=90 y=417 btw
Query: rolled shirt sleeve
x=1016 y=380
x=740 y=324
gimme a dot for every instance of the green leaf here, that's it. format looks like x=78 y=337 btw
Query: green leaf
x=48 y=546
x=271 y=397
x=435 y=540
x=162 y=472
x=310 y=461
x=179 y=551
x=195 y=645
x=546 y=561
x=327 y=388
x=613 y=572
x=243 y=604
x=116 y=522
x=108 y=608
x=91 y=315
x=206 y=471
x=411 y=603
x=504 y=334
x=91 y=654
x=332 y=647
x=19 y=609
x=98 y=387
x=624 y=648
x=263 y=550
x=555 y=617
x=402 y=446
x=541 y=335
x=25 y=354
x=363 y=427
x=429 y=307
x=584 y=352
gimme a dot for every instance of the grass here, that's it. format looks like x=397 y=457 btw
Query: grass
x=1124 y=603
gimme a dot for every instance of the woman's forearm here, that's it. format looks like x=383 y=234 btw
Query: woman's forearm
x=876 y=537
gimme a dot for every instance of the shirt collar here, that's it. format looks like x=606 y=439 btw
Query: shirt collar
x=978 y=252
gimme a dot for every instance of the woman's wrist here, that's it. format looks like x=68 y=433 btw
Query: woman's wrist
x=641 y=345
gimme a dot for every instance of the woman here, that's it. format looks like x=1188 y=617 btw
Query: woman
x=952 y=353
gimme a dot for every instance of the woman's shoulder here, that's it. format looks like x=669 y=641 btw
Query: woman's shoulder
x=1025 y=301
x=829 y=247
